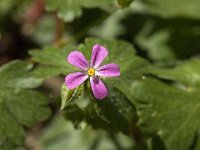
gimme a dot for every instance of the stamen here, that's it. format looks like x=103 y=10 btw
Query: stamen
x=91 y=72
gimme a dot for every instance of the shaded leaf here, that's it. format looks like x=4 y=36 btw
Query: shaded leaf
x=68 y=10
x=167 y=111
x=118 y=110
x=171 y=8
x=162 y=39
x=19 y=105
x=187 y=72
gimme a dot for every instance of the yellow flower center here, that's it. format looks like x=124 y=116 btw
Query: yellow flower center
x=91 y=72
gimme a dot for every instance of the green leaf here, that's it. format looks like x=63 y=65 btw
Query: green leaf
x=173 y=8
x=68 y=10
x=19 y=105
x=118 y=110
x=54 y=61
x=122 y=53
x=167 y=111
x=83 y=107
x=17 y=76
x=68 y=96
x=187 y=72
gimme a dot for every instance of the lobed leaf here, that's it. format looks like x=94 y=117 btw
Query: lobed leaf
x=132 y=67
x=19 y=105
x=186 y=72
x=169 y=112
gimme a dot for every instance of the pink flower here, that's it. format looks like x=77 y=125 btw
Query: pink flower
x=92 y=70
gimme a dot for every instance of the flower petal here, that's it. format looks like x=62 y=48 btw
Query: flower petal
x=99 y=53
x=75 y=79
x=98 y=88
x=77 y=59
x=109 y=70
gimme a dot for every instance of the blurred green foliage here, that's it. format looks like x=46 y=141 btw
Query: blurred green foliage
x=153 y=105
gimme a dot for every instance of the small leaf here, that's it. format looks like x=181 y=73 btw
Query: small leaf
x=68 y=96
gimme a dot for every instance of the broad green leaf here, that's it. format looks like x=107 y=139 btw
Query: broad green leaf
x=17 y=76
x=168 y=112
x=49 y=71
x=187 y=72
x=131 y=66
x=11 y=132
x=54 y=61
x=19 y=105
x=122 y=53
x=68 y=10
x=118 y=110
x=173 y=8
